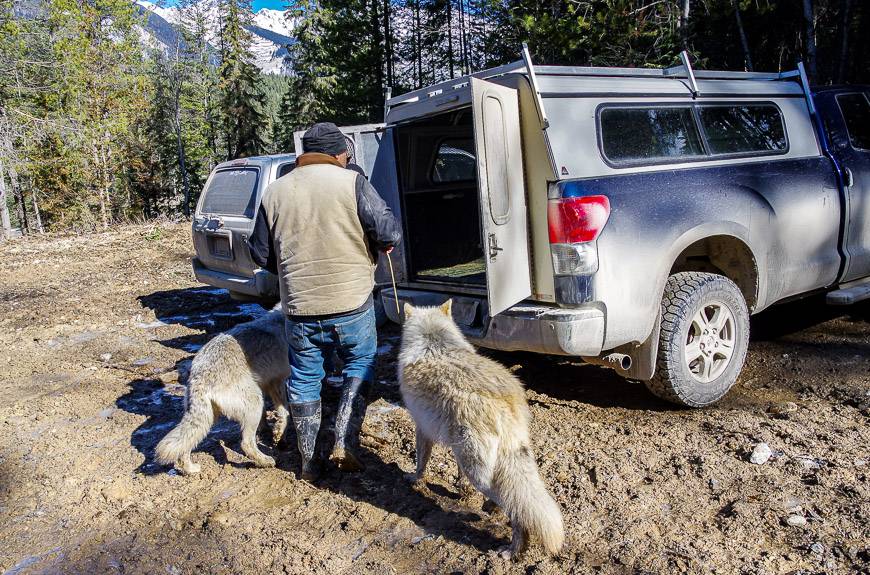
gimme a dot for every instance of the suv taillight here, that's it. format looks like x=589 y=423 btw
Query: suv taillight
x=575 y=224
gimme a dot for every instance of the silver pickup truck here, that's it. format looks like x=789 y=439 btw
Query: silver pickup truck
x=631 y=217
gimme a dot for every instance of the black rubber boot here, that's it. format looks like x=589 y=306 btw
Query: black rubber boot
x=348 y=422
x=306 y=420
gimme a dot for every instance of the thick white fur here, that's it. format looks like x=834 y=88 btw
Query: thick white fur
x=229 y=376
x=478 y=409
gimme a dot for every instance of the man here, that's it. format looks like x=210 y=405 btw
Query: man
x=320 y=228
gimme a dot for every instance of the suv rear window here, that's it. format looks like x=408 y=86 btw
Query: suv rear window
x=455 y=161
x=856 y=112
x=649 y=135
x=743 y=129
x=231 y=193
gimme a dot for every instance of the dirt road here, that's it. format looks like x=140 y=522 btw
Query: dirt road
x=95 y=336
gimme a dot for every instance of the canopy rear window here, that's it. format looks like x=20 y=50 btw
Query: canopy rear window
x=231 y=192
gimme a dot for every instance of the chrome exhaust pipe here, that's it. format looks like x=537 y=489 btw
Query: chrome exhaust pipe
x=618 y=361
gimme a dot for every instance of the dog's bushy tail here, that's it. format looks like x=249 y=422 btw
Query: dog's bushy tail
x=526 y=501
x=193 y=427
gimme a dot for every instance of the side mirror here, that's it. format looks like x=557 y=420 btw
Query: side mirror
x=848 y=178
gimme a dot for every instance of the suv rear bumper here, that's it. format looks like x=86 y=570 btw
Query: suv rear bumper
x=263 y=285
x=523 y=327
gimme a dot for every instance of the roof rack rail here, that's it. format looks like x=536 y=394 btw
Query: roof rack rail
x=454 y=84
x=683 y=70
x=672 y=72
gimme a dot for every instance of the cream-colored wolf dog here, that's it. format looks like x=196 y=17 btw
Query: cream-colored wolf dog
x=478 y=409
x=228 y=376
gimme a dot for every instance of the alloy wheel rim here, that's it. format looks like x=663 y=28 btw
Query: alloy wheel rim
x=710 y=341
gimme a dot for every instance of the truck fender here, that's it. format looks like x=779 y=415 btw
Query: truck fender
x=644 y=355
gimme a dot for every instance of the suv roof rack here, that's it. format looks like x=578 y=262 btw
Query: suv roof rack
x=683 y=70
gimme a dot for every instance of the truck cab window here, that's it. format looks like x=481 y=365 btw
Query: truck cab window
x=454 y=162
x=285 y=169
x=648 y=135
x=856 y=113
x=743 y=129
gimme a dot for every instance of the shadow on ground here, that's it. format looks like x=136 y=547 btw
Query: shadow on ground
x=163 y=405
x=792 y=317
x=209 y=310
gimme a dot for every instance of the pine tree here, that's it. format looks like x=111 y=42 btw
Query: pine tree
x=241 y=101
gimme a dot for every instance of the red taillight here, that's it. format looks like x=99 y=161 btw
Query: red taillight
x=576 y=220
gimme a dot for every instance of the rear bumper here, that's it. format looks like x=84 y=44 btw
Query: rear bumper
x=262 y=285
x=523 y=327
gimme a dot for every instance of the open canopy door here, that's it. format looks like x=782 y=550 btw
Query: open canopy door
x=503 y=216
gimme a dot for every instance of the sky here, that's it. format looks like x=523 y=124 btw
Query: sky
x=257 y=4
x=274 y=4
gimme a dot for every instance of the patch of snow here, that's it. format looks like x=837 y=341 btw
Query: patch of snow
x=150 y=325
x=153 y=428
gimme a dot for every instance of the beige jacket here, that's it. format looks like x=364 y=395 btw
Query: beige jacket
x=324 y=262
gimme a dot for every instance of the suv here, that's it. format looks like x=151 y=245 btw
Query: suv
x=631 y=217
x=223 y=222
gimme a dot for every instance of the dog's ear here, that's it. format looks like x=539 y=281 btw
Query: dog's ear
x=447 y=307
x=409 y=310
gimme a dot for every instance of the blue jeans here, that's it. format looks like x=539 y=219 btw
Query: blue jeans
x=355 y=339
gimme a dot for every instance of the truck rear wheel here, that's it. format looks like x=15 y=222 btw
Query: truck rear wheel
x=703 y=341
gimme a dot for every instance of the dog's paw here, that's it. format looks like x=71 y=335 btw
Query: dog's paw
x=265 y=461
x=190 y=469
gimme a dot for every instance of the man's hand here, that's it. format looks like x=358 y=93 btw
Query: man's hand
x=389 y=250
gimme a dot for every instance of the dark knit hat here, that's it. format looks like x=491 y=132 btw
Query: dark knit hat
x=325 y=138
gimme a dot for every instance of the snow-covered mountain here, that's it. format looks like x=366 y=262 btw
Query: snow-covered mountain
x=270 y=31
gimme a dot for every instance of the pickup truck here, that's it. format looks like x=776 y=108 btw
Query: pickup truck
x=631 y=217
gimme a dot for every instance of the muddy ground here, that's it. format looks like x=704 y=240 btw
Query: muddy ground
x=96 y=333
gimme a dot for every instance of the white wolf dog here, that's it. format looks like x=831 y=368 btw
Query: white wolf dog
x=478 y=409
x=229 y=376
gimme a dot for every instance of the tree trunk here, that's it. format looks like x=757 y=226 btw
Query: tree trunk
x=463 y=39
x=810 y=39
x=182 y=164
x=684 y=24
x=418 y=51
x=37 y=218
x=102 y=184
x=6 y=229
x=20 y=202
x=388 y=44
x=20 y=207
x=843 y=64
x=450 y=37
x=747 y=55
x=376 y=96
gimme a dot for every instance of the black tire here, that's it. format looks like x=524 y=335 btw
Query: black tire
x=692 y=299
